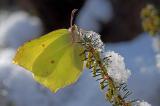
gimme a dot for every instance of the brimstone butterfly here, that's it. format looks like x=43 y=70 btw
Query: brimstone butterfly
x=54 y=59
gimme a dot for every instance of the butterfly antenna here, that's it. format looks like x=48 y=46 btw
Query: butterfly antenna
x=72 y=16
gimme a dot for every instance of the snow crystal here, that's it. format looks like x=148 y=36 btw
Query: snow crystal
x=116 y=68
x=143 y=103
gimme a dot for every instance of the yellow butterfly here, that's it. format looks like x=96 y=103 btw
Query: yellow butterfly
x=54 y=59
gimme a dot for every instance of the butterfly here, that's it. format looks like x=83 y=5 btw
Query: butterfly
x=54 y=59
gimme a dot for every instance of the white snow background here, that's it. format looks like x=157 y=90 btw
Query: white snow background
x=139 y=56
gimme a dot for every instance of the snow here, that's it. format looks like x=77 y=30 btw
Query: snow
x=143 y=103
x=116 y=68
x=27 y=28
x=94 y=39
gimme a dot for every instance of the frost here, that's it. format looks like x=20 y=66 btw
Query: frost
x=116 y=68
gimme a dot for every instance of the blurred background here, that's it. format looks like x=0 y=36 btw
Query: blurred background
x=118 y=21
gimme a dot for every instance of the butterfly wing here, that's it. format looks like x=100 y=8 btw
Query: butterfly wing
x=53 y=59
